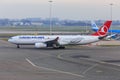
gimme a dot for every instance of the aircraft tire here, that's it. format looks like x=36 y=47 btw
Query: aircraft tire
x=18 y=46
x=62 y=47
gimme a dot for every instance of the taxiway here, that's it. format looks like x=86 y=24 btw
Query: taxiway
x=83 y=63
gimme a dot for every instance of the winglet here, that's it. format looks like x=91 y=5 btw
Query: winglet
x=103 y=29
x=56 y=39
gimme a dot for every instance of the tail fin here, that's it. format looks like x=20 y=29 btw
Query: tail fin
x=103 y=30
x=94 y=26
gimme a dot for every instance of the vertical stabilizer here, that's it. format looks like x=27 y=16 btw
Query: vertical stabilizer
x=103 y=30
x=94 y=26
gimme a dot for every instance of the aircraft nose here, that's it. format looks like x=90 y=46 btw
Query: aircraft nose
x=10 y=40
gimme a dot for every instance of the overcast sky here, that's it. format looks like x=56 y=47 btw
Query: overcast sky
x=63 y=9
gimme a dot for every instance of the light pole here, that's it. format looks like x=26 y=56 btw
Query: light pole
x=86 y=27
x=111 y=5
x=50 y=16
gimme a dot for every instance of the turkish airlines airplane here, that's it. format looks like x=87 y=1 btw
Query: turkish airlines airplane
x=60 y=41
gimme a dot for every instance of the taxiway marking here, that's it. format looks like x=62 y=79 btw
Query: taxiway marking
x=53 y=69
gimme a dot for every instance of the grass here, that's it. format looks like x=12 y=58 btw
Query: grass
x=5 y=39
x=45 y=28
x=54 y=28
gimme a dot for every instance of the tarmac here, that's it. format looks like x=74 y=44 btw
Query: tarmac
x=72 y=63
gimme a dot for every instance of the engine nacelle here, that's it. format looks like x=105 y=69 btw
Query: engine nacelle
x=40 y=45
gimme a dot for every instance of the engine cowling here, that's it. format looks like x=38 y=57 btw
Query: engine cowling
x=40 y=45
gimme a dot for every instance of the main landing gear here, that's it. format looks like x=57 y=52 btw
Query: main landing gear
x=60 y=47
x=18 y=46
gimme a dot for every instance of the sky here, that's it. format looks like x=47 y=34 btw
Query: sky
x=63 y=9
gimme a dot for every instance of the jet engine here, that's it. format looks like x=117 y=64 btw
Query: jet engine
x=40 y=45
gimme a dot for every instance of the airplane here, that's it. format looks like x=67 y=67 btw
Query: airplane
x=60 y=41
x=95 y=28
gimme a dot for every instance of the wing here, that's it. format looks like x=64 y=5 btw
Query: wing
x=52 y=43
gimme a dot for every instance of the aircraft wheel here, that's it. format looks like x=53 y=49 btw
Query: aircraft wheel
x=62 y=47
x=18 y=46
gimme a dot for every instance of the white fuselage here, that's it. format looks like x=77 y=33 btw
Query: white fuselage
x=63 y=39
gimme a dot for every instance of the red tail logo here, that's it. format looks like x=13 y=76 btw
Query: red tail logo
x=103 y=30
